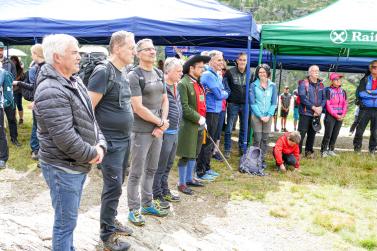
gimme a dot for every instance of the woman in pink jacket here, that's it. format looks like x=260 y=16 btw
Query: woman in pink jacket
x=336 y=109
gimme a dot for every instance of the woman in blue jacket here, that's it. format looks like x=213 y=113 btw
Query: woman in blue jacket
x=263 y=97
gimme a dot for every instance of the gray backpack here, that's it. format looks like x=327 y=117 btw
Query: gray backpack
x=252 y=162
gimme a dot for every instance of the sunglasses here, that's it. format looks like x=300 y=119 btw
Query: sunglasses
x=374 y=67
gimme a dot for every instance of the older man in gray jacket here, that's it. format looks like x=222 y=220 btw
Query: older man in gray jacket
x=69 y=137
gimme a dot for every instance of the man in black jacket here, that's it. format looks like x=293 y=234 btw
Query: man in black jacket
x=235 y=78
x=70 y=139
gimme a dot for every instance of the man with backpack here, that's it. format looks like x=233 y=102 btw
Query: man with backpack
x=151 y=106
x=312 y=101
x=5 y=91
x=110 y=93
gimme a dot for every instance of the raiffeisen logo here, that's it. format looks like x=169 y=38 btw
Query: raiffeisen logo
x=341 y=36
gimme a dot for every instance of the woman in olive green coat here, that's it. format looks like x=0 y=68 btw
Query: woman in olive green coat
x=190 y=135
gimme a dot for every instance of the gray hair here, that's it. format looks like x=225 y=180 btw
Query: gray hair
x=295 y=137
x=119 y=38
x=141 y=42
x=214 y=53
x=171 y=63
x=56 y=44
x=312 y=66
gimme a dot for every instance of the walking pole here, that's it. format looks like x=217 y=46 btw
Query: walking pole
x=219 y=151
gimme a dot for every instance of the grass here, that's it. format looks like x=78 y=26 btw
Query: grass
x=334 y=196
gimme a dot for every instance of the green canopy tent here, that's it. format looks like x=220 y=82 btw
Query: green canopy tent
x=346 y=28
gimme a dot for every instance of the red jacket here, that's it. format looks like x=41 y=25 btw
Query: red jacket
x=282 y=147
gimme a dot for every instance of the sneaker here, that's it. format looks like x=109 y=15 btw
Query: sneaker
x=325 y=154
x=186 y=190
x=207 y=177
x=115 y=243
x=121 y=229
x=227 y=154
x=212 y=173
x=172 y=198
x=161 y=202
x=15 y=142
x=332 y=153
x=3 y=164
x=217 y=157
x=154 y=210
x=34 y=155
x=194 y=183
x=136 y=218
x=21 y=121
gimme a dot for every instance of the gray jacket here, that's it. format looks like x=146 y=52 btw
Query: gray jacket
x=67 y=128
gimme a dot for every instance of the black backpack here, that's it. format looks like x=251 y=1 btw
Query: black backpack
x=139 y=73
x=88 y=63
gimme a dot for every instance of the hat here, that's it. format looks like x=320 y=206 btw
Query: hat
x=335 y=76
x=193 y=60
x=316 y=124
x=2 y=45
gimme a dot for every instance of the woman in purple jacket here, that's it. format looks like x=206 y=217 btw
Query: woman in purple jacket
x=336 y=109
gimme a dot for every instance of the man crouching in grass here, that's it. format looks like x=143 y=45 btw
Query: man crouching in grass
x=287 y=151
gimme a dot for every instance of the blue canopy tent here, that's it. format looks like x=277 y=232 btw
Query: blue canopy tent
x=340 y=64
x=168 y=22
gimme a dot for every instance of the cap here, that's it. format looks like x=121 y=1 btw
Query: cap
x=335 y=76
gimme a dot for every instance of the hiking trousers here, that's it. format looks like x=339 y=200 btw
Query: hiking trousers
x=306 y=129
x=332 y=128
x=366 y=115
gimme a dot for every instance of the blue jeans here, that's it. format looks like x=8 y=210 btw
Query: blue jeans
x=34 y=142
x=233 y=110
x=65 y=192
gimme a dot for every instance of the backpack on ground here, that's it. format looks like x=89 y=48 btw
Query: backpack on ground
x=88 y=64
x=252 y=162
x=8 y=89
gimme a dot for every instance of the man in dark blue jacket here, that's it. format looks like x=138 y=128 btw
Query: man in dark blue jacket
x=312 y=102
x=366 y=95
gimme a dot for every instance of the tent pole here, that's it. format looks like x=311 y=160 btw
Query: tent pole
x=260 y=53
x=274 y=66
x=248 y=76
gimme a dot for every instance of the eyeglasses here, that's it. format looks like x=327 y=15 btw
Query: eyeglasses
x=147 y=49
x=374 y=67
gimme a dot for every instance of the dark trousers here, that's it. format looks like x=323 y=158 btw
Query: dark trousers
x=366 y=115
x=114 y=173
x=10 y=112
x=4 y=153
x=233 y=112
x=34 y=142
x=165 y=163
x=18 y=101
x=355 y=123
x=205 y=155
x=332 y=128
x=288 y=159
x=306 y=129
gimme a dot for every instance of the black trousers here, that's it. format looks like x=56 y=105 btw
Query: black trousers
x=4 y=153
x=205 y=155
x=114 y=173
x=10 y=112
x=332 y=128
x=366 y=115
x=306 y=129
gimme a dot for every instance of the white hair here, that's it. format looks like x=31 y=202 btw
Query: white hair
x=214 y=53
x=313 y=66
x=171 y=63
x=56 y=44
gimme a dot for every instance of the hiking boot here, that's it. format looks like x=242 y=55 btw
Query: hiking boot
x=115 y=243
x=3 y=164
x=325 y=154
x=15 y=142
x=34 y=155
x=121 y=229
x=184 y=189
x=154 y=210
x=161 y=202
x=136 y=218
x=332 y=153
x=172 y=198
x=207 y=177
x=212 y=173
x=194 y=183
x=227 y=154
x=217 y=157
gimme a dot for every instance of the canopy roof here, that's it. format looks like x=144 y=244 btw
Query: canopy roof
x=187 y=22
x=340 y=64
x=346 y=28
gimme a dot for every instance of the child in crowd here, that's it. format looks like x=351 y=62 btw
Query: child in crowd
x=287 y=152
